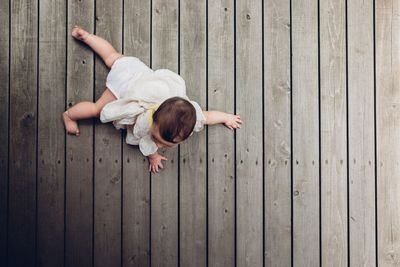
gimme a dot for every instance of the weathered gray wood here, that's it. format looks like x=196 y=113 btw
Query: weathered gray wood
x=333 y=133
x=23 y=240
x=136 y=182
x=164 y=185
x=4 y=108
x=221 y=144
x=193 y=155
x=388 y=130
x=23 y=134
x=361 y=132
x=277 y=133
x=107 y=147
x=249 y=150
x=51 y=134
x=79 y=161
x=305 y=133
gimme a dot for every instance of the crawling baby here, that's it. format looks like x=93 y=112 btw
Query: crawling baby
x=151 y=105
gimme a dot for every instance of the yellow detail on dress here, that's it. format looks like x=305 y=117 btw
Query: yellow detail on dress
x=152 y=109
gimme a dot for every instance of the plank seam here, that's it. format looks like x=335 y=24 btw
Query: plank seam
x=206 y=128
x=347 y=136
x=122 y=150
x=150 y=175
x=319 y=131
x=65 y=134
x=375 y=137
x=93 y=138
x=291 y=138
x=263 y=133
x=8 y=136
x=234 y=134
x=179 y=146
x=37 y=128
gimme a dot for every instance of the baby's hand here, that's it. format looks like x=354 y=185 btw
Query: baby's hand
x=155 y=162
x=233 y=121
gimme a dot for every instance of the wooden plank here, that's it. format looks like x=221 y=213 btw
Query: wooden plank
x=79 y=161
x=249 y=151
x=305 y=133
x=221 y=142
x=193 y=221
x=4 y=112
x=277 y=133
x=107 y=146
x=333 y=133
x=164 y=185
x=23 y=134
x=136 y=182
x=387 y=40
x=51 y=139
x=361 y=132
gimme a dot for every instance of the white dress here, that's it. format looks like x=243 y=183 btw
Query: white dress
x=139 y=90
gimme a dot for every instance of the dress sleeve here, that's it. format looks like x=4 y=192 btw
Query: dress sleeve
x=200 y=118
x=147 y=146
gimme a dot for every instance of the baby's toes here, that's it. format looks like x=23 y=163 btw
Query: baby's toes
x=75 y=32
x=79 y=33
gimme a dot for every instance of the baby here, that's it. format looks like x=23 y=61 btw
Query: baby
x=151 y=105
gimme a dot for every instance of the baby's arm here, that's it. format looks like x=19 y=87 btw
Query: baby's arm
x=215 y=117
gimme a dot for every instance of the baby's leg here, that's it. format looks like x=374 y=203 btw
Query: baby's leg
x=85 y=110
x=103 y=48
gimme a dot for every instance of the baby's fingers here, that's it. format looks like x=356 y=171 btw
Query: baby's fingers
x=160 y=165
x=152 y=168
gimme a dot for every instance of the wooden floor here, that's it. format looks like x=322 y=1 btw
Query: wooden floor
x=311 y=179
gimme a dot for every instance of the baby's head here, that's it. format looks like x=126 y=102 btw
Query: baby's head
x=173 y=122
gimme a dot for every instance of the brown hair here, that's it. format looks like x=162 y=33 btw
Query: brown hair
x=175 y=118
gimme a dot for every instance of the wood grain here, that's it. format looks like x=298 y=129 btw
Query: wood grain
x=193 y=157
x=305 y=133
x=221 y=142
x=107 y=147
x=4 y=113
x=277 y=129
x=51 y=134
x=136 y=177
x=79 y=161
x=333 y=133
x=313 y=113
x=23 y=134
x=249 y=150
x=388 y=129
x=361 y=132
x=164 y=185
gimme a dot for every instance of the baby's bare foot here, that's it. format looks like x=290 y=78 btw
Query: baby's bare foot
x=70 y=125
x=79 y=33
